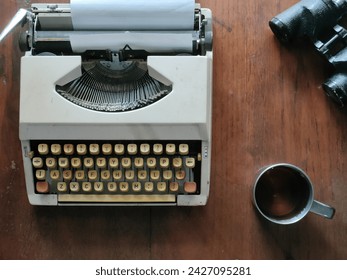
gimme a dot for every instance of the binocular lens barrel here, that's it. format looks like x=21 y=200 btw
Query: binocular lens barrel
x=336 y=88
x=281 y=31
x=307 y=18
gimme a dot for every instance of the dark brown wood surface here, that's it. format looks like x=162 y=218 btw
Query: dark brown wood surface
x=268 y=107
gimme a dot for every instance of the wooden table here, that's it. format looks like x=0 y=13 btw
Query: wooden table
x=269 y=107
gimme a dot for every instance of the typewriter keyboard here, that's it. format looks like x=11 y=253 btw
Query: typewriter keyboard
x=114 y=171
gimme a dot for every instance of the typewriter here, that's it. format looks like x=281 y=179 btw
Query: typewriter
x=115 y=102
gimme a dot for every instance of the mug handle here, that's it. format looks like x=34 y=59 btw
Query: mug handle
x=322 y=209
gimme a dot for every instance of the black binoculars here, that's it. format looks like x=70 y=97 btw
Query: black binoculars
x=318 y=21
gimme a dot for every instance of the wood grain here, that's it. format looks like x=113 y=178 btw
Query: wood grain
x=268 y=107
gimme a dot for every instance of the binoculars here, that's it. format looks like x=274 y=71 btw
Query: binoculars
x=318 y=21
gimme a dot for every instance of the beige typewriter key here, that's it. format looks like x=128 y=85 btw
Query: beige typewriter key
x=157 y=149
x=81 y=149
x=167 y=175
x=117 y=175
x=132 y=149
x=199 y=157
x=164 y=162
x=124 y=186
x=113 y=162
x=54 y=174
x=37 y=162
x=62 y=187
x=151 y=162
x=74 y=186
x=56 y=149
x=119 y=149
x=30 y=154
x=106 y=149
x=142 y=175
x=43 y=149
x=177 y=162
x=94 y=149
x=129 y=175
x=79 y=175
x=67 y=175
x=145 y=149
x=190 y=187
x=112 y=186
x=92 y=175
x=99 y=186
x=51 y=163
x=101 y=162
x=76 y=162
x=63 y=162
x=105 y=175
x=136 y=186
x=42 y=187
x=138 y=162
x=190 y=162
x=87 y=186
x=40 y=174
x=170 y=149
x=155 y=175
x=183 y=149
x=161 y=186
x=180 y=174
x=126 y=162
x=174 y=186
x=88 y=162
x=68 y=149
x=149 y=186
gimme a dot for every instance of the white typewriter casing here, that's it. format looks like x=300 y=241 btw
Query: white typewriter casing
x=184 y=114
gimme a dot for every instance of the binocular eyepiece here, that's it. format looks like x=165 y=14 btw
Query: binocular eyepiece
x=314 y=20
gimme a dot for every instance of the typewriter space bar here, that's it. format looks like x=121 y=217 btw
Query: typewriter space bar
x=109 y=198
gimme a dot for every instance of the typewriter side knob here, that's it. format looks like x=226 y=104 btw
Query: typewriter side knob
x=23 y=41
x=208 y=36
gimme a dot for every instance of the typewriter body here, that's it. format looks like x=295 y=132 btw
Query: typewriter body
x=106 y=119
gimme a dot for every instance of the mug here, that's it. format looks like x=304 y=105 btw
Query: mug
x=283 y=194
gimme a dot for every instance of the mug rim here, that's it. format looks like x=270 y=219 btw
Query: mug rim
x=308 y=205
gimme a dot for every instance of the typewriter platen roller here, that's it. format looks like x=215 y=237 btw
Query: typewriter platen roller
x=124 y=75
